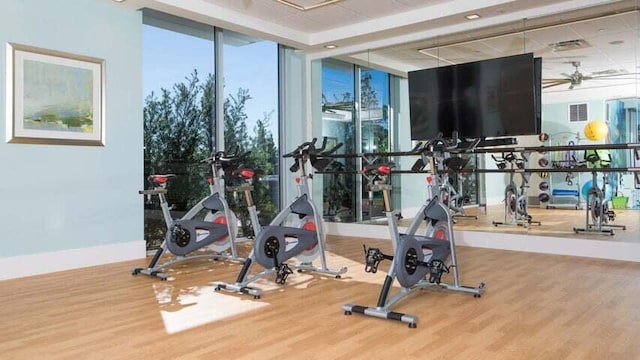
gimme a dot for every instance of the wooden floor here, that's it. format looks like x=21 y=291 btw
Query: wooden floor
x=554 y=222
x=536 y=307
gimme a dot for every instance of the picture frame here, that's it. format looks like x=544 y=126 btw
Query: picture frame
x=54 y=97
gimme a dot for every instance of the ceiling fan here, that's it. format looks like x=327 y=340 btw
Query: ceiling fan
x=577 y=77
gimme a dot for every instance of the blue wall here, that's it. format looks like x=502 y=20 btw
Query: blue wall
x=69 y=197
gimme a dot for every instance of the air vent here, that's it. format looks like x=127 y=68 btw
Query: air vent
x=578 y=112
x=569 y=45
x=304 y=5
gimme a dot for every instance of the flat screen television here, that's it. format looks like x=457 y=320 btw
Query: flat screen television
x=537 y=83
x=489 y=98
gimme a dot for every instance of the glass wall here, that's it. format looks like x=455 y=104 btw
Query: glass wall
x=355 y=111
x=251 y=116
x=178 y=80
x=374 y=125
x=338 y=124
x=180 y=107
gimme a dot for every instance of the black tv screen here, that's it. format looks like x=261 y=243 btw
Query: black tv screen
x=488 y=98
x=537 y=83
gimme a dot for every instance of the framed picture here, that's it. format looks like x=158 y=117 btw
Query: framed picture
x=54 y=97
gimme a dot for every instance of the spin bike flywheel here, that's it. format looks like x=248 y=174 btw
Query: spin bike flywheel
x=223 y=243
x=311 y=253
x=596 y=208
x=512 y=202
x=408 y=271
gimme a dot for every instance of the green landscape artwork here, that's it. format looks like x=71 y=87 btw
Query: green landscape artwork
x=57 y=97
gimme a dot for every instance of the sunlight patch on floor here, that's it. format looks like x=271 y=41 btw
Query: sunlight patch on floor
x=184 y=309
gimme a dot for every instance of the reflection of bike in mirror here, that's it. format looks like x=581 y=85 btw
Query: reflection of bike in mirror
x=454 y=200
x=214 y=234
x=598 y=213
x=281 y=240
x=515 y=199
x=334 y=191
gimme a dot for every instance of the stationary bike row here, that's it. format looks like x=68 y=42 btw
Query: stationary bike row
x=515 y=199
x=277 y=243
x=598 y=214
x=216 y=232
x=419 y=261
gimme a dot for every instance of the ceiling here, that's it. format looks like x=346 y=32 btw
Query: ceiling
x=388 y=34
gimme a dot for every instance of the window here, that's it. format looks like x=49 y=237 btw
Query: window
x=578 y=112
x=251 y=117
x=178 y=82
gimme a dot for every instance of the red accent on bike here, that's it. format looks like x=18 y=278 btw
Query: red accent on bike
x=384 y=169
x=210 y=180
x=160 y=179
x=247 y=173
x=297 y=180
x=429 y=179
x=221 y=220
x=440 y=234
x=310 y=226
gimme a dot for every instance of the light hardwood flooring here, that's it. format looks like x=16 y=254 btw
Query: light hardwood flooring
x=536 y=307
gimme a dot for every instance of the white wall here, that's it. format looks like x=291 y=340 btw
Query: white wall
x=58 y=200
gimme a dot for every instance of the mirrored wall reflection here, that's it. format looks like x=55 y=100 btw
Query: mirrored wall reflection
x=338 y=125
x=374 y=129
x=590 y=71
x=356 y=111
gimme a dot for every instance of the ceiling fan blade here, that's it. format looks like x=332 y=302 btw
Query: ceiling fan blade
x=555 y=80
x=613 y=78
x=566 y=75
x=605 y=72
x=614 y=75
x=552 y=85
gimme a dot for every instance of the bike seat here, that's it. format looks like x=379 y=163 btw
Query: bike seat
x=244 y=173
x=160 y=179
x=378 y=169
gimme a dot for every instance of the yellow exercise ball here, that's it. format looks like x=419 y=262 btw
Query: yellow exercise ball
x=596 y=130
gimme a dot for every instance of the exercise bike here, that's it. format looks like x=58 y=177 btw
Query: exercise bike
x=277 y=242
x=184 y=236
x=449 y=195
x=598 y=214
x=516 y=205
x=419 y=261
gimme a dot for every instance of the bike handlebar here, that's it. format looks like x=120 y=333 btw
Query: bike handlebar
x=308 y=148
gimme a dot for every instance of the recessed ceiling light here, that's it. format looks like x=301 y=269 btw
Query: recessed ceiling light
x=616 y=42
x=119 y=1
x=472 y=17
x=331 y=46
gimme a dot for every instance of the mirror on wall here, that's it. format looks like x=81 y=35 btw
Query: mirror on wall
x=590 y=66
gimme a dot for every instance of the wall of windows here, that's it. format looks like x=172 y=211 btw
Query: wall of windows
x=250 y=69
x=183 y=92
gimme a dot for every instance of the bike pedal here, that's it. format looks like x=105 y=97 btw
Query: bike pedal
x=283 y=273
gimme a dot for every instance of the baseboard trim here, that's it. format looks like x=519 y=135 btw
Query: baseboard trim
x=528 y=243
x=36 y=264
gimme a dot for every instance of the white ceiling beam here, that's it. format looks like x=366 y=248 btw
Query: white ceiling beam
x=461 y=27
x=216 y=15
x=417 y=16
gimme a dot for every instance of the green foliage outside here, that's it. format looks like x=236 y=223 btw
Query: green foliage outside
x=178 y=134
